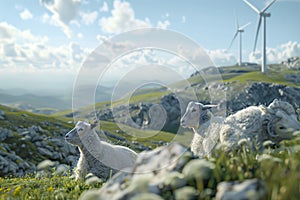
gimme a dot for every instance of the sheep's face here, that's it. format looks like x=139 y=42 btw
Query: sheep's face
x=190 y=118
x=195 y=114
x=285 y=125
x=74 y=136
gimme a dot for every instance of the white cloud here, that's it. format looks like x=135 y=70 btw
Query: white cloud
x=20 y=49
x=221 y=57
x=122 y=19
x=10 y=34
x=26 y=14
x=278 y=54
x=89 y=18
x=183 y=19
x=80 y=35
x=104 y=7
x=164 y=24
x=64 y=11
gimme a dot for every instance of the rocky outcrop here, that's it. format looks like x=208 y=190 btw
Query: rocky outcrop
x=169 y=172
x=262 y=93
x=22 y=148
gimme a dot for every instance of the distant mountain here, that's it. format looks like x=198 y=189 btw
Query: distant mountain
x=33 y=102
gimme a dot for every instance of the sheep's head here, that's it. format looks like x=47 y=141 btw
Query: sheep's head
x=282 y=122
x=195 y=114
x=80 y=130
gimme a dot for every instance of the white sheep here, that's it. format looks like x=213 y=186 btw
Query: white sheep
x=257 y=124
x=97 y=157
x=206 y=127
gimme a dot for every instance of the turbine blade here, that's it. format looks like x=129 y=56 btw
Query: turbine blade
x=244 y=26
x=233 y=39
x=268 y=6
x=237 y=23
x=252 y=6
x=257 y=31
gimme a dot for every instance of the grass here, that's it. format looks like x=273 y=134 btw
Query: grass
x=56 y=187
x=278 y=168
x=146 y=137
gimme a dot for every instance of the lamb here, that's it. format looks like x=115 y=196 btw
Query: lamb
x=206 y=127
x=257 y=124
x=98 y=157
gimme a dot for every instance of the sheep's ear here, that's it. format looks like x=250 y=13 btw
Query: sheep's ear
x=205 y=107
x=94 y=124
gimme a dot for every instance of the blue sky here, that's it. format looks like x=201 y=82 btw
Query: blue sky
x=46 y=41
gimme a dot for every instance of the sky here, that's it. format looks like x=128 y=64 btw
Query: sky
x=43 y=43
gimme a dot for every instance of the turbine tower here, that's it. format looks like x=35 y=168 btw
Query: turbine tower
x=262 y=14
x=239 y=31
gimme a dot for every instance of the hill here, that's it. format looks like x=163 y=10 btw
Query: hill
x=237 y=88
x=27 y=139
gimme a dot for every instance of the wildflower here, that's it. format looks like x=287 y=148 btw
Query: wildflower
x=17 y=191
x=50 y=189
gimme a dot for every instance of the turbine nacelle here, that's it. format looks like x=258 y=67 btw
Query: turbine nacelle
x=265 y=14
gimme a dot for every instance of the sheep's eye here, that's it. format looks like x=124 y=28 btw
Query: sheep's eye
x=194 y=110
x=80 y=129
x=281 y=127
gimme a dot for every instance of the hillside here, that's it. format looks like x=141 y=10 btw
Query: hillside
x=239 y=87
x=27 y=139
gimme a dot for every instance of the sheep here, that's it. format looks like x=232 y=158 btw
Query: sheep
x=206 y=127
x=257 y=124
x=97 y=157
x=254 y=125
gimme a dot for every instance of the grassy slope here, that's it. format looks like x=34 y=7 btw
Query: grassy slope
x=281 y=175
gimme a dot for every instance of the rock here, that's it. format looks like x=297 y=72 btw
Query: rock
x=45 y=152
x=186 y=193
x=46 y=164
x=175 y=180
x=2 y=115
x=248 y=189
x=147 y=175
x=146 y=196
x=93 y=180
x=198 y=170
x=261 y=93
x=5 y=133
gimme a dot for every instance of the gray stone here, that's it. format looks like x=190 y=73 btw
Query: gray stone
x=146 y=196
x=148 y=174
x=186 y=193
x=175 y=180
x=248 y=189
x=2 y=115
x=45 y=152
x=198 y=170
x=5 y=133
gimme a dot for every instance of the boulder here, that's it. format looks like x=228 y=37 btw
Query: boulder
x=150 y=174
x=246 y=190
x=5 y=133
x=2 y=115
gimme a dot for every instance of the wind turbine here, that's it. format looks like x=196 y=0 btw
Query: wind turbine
x=239 y=31
x=262 y=14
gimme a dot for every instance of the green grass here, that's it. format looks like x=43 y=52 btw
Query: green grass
x=279 y=170
x=56 y=187
x=146 y=137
